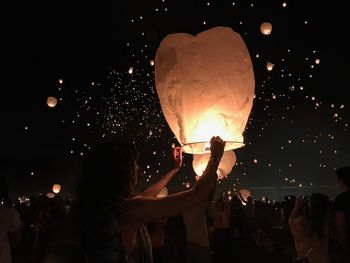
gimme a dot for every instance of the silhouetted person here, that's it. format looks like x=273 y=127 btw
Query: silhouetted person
x=310 y=229
x=342 y=210
x=10 y=225
x=112 y=218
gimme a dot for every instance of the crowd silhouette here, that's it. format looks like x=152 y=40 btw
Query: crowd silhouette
x=110 y=222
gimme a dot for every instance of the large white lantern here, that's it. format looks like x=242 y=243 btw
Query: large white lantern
x=56 y=188
x=266 y=28
x=205 y=85
x=227 y=162
x=51 y=102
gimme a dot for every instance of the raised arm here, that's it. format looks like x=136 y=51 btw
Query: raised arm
x=140 y=210
x=298 y=204
x=154 y=189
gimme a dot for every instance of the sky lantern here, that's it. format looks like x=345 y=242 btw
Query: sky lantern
x=51 y=101
x=269 y=66
x=151 y=62
x=131 y=70
x=245 y=193
x=266 y=28
x=227 y=162
x=56 y=188
x=317 y=61
x=205 y=84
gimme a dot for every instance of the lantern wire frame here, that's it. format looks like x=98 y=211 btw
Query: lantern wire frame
x=204 y=147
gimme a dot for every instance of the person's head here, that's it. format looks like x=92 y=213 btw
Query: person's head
x=318 y=209
x=110 y=172
x=343 y=175
x=250 y=199
x=4 y=187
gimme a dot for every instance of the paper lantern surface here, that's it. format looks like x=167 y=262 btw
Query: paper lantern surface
x=266 y=28
x=269 y=66
x=245 y=193
x=227 y=162
x=51 y=102
x=56 y=188
x=205 y=84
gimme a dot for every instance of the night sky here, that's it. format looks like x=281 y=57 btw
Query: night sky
x=81 y=53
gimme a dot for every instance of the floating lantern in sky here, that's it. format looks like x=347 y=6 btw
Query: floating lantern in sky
x=205 y=84
x=269 y=66
x=60 y=81
x=131 y=70
x=227 y=162
x=317 y=61
x=152 y=62
x=243 y=195
x=187 y=184
x=266 y=28
x=51 y=102
x=163 y=192
x=56 y=188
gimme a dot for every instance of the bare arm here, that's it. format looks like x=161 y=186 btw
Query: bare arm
x=298 y=204
x=141 y=210
x=340 y=228
x=154 y=189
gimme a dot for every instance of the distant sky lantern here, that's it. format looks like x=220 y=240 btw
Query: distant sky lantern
x=317 y=61
x=205 y=84
x=131 y=70
x=60 y=81
x=227 y=162
x=266 y=28
x=51 y=102
x=269 y=66
x=152 y=62
x=56 y=188
x=187 y=184
x=245 y=194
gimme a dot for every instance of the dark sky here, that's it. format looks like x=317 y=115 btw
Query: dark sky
x=296 y=136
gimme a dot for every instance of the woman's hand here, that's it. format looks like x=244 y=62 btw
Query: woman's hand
x=217 y=146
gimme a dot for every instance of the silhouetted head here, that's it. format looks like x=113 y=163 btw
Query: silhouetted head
x=343 y=175
x=4 y=187
x=110 y=172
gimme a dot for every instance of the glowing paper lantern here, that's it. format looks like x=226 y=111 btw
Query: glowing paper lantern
x=205 y=84
x=163 y=192
x=266 y=28
x=56 y=188
x=245 y=193
x=269 y=66
x=152 y=62
x=131 y=70
x=50 y=195
x=317 y=61
x=187 y=184
x=227 y=162
x=51 y=102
